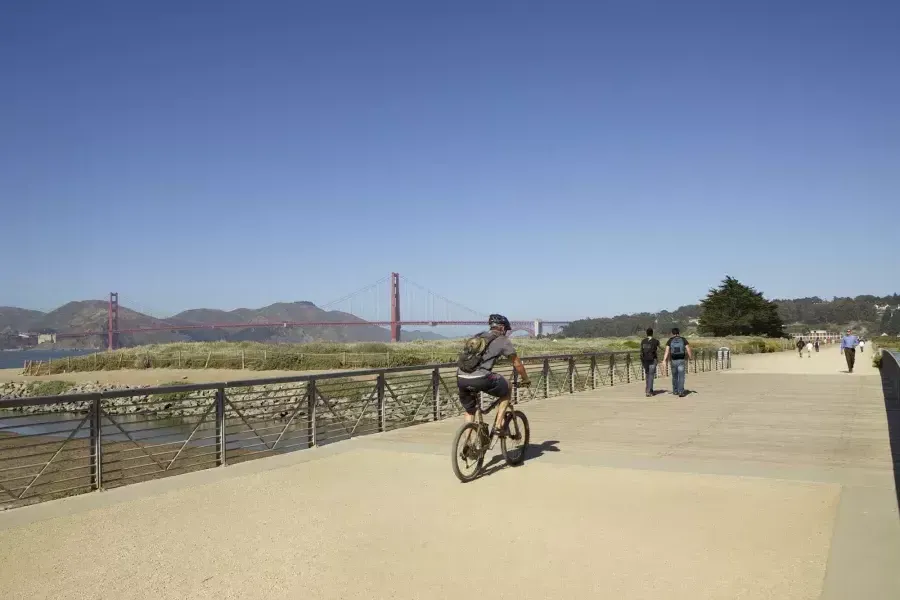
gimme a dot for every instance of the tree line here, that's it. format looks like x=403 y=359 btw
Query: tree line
x=737 y=309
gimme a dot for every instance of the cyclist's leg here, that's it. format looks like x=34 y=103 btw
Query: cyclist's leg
x=467 y=398
x=498 y=387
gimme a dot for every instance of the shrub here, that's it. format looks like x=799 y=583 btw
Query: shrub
x=48 y=388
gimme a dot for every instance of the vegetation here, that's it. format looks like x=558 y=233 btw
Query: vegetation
x=864 y=313
x=633 y=324
x=326 y=356
x=48 y=388
x=736 y=309
x=890 y=321
x=888 y=343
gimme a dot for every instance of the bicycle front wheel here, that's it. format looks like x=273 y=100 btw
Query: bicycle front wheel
x=467 y=455
x=515 y=443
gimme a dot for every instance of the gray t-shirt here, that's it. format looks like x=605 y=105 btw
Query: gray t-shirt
x=500 y=346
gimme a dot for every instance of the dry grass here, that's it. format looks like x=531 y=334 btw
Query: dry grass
x=328 y=356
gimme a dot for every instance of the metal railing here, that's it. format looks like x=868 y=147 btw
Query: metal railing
x=890 y=377
x=63 y=445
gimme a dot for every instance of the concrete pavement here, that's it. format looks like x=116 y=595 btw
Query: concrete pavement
x=773 y=480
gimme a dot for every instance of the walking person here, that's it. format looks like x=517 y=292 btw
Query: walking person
x=817 y=344
x=649 y=357
x=800 y=347
x=677 y=349
x=809 y=349
x=862 y=346
x=848 y=348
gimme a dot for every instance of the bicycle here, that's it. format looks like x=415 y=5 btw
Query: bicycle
x=477 y=441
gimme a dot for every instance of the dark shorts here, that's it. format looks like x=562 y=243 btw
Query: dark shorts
x=494 y=385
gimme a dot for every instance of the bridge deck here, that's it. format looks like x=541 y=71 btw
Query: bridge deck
x=774 y=480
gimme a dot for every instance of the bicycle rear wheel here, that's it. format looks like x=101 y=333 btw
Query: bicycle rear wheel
x=514 y=444
x=467 y=455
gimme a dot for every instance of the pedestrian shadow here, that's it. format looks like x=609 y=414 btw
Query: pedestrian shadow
x=890 y=387
x=532 y=451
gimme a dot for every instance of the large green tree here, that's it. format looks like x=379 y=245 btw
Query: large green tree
x=736 y=309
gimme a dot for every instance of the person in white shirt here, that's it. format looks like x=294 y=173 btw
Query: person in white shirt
x=862 y=346
x=809 y=349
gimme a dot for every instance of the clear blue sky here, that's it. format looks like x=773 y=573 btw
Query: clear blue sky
x=550 y=159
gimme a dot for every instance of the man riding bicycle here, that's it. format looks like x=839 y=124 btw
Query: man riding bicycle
x=475 y=373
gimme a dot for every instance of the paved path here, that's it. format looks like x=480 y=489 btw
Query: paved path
x=773 y=480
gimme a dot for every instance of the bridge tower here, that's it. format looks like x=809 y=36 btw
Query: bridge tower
x=112 y=312
x=395 y=307
x=538 y=327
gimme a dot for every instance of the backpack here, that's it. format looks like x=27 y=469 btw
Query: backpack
x=648 y=349
x=676 y=345
x=470 y=357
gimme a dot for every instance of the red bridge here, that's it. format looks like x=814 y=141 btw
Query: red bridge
x=428 y=310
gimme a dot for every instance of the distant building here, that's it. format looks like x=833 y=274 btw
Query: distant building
x=818 y=334
x=46 y=338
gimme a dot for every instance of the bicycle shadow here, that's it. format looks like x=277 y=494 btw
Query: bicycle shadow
x=532 y=451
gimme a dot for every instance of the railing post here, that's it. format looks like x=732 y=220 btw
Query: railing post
x=571 y=375
x=628 y=368
x=220 y=427
x=96 y=449
x=515 y=389
x=593 y=371
x=546 y=378
x=381 y=411
x=612 y=368
x=728 y=356
x=311 y=412
x=436 y=393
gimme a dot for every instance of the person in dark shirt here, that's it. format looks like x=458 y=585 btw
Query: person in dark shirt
x=649 y=357
x=677 y=349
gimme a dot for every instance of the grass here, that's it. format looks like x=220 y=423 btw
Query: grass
x=329 y=355
x=49 y=388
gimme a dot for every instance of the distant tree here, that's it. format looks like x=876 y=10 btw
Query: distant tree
x=736 y=309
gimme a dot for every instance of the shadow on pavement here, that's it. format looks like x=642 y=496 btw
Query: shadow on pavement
x=532 y=452
x=890 y=386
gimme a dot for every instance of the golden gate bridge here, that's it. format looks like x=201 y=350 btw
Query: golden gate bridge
x=364 y=307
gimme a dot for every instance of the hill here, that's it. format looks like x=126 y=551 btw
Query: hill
x=91 y=315
x=864 y=313
x=14 y=319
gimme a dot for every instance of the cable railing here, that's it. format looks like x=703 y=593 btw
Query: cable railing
x=55 y=446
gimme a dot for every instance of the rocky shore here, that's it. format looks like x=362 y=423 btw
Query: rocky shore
x=261 y=401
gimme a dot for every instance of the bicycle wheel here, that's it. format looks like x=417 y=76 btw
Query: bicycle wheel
x=514 y=444
x=467 y=458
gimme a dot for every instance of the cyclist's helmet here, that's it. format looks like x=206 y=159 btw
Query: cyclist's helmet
x=496 y=319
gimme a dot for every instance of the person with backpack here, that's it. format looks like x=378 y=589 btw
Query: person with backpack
x=649 y=357
x=475 y=366
x=677 y=349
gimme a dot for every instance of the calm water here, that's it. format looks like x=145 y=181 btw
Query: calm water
x=15 y=359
